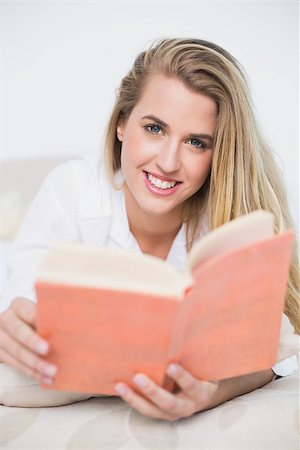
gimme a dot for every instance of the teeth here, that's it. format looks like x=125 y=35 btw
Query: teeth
x=160 y=184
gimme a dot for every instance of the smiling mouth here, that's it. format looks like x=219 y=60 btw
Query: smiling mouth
x=159 y=183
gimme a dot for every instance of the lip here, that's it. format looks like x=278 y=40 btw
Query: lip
x=156 y=175
x=155 y=190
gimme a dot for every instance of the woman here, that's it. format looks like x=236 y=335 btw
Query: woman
x=184 y=155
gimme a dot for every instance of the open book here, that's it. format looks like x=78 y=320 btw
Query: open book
x=109 y=314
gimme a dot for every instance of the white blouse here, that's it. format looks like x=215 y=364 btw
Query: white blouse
x=76 y=202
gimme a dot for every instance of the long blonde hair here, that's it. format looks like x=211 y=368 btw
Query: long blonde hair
x=244 y=176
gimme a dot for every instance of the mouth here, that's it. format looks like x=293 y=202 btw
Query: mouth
x=160 y=185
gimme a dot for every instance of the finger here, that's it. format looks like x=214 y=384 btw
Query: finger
x=25 y=310
x=13 y=353
x=170 y=404
x=22 y=332
x=139 y=403
x=9 y=360
x=185 y=380
x=18 y=365
x=192 y=387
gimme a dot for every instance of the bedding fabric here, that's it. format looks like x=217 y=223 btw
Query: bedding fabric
x=267 y=418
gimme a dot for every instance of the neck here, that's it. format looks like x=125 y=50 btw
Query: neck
x=150 y=227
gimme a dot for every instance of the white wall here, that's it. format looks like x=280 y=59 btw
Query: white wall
x=62 y=61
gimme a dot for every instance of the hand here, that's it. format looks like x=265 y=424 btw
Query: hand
x=20 y=345
x=195 y=395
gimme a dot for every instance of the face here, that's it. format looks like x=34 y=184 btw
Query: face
x=167 y=150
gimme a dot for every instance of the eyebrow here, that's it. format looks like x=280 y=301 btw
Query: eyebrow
x=165 y=125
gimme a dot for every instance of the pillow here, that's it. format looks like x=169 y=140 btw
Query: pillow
x=17 y=389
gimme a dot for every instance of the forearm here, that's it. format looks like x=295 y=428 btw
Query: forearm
x=233 y=387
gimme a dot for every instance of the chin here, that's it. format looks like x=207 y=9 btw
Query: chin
x=157 y=210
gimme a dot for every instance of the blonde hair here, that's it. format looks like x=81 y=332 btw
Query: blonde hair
x=244 y=176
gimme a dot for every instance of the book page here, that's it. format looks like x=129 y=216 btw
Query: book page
x=80 y=265
x=241 y=232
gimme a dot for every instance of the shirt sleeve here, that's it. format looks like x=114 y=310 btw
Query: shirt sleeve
x=289 y=347
x=286 y=367
x=51 y=219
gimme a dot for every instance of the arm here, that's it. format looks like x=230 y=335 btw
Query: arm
x=47 y=222
x=233 y=387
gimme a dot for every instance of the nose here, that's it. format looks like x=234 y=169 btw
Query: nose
x=168 y=158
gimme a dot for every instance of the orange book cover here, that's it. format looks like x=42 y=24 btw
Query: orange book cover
x=108 y=315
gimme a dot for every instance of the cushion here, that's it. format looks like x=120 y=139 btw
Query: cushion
x=17 y=389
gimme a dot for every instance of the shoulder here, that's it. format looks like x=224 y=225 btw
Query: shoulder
x=82 y=180
x=80 y=171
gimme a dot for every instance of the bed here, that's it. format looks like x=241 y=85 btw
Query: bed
x=267 y=418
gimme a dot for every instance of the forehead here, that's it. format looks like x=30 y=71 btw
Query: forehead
x=163 y=96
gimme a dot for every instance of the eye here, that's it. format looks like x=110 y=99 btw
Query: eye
x=198 y=144
x=152 y=128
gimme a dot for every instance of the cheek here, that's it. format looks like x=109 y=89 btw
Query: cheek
x=129 y=153
x=199 y=170
x=131 y=148
x=136 y=151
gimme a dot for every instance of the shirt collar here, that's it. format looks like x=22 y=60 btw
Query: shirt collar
x=177 y=255
x=120 y=232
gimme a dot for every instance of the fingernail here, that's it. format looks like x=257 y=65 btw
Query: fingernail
x=172 y=369
x=42 y=347
x=140 y=380
x=121 y=389
x=50 y=370
x=47 y=380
